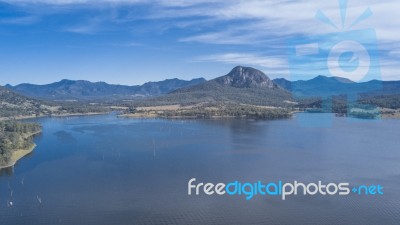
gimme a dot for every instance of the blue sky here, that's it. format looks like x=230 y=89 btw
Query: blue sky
x=135 y=41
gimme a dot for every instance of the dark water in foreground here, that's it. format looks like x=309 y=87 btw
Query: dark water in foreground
x=102 y=170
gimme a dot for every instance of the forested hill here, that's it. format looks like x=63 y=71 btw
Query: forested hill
x=14 y=105
x=15 y=136
x=242 y=85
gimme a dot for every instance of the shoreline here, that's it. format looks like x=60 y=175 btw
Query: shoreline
x=17 y=155
x=156 y=116
x=21 y=153
x=204 y=111
x=140 y=116
x=58 y=115
x=384 y=114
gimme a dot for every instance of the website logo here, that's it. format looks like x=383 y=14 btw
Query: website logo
x=348 y=53
x=282 y=189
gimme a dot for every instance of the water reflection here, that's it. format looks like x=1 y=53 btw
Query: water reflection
x=9 y=171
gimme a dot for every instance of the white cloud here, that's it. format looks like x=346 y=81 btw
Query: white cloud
x=263 y=23
x=245 y=58
x=228 y=37
x=168 y=3
x=91 y=26
x=262 y=18
x=276 y=66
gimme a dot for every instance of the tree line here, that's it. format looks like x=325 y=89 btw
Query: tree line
x=15 y=135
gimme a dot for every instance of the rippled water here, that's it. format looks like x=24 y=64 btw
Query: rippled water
x=106 y=170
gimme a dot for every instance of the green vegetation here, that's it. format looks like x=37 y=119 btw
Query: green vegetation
x=81 y=90
x=336 y=104
x=210 y=110
x=365 y=106
x=81 y=108
x=364 y=114
x=243 y=92
x=212 y=92
x=213 y=99
x=15 y=136
x=383 y=101
x=15 y=106
x=235 y=111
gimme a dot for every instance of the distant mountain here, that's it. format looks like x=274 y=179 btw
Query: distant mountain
x=86 y=90
x=322 y=86
x=242 y=85
x=245 y=77
x=282 y=82
x=166 y=86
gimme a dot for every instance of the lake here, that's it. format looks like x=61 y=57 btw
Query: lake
x=104 y=170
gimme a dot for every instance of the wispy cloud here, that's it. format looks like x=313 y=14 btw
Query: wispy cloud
x=67 y=2
x=251 y=32
x=271 y=65
x=245 y=58
x=91 y=26
x=22 y=20
x=169 y=3
x=131 y=44
x=224 y=37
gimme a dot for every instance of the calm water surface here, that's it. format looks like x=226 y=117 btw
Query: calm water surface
x=104 y=170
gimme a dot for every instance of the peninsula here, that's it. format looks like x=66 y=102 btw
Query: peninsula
x=16 y=141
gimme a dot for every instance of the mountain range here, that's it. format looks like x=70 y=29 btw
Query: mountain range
x=242 y=85
x=253 y=83
x=86 y=90
x=322 y=86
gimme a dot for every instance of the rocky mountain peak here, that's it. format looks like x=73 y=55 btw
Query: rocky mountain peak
x=245 y=77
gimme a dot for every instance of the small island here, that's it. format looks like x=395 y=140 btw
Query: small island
x=16 y=141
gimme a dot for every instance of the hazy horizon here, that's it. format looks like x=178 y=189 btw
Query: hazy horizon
x=99 y=81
